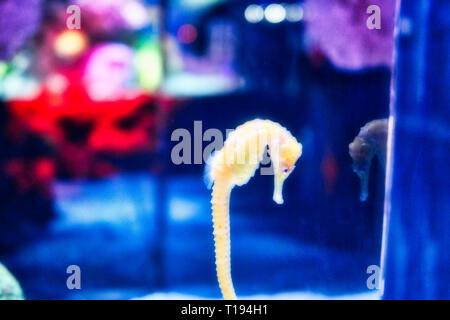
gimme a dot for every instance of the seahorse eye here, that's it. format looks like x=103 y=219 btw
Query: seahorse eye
x=285 y=169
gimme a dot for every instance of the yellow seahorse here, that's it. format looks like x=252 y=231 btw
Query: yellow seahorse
x=234 y=165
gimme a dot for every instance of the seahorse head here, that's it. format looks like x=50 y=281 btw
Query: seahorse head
x=284 y=163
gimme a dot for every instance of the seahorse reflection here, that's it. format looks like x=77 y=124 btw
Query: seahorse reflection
x=370 y=141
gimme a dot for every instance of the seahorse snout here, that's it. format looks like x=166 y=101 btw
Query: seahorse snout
x=278 y=198
x=278 y=190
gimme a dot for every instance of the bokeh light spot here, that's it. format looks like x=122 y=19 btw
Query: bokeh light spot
x=187 y=33
x=70 y=44
x=275 y=13
x=254 y=13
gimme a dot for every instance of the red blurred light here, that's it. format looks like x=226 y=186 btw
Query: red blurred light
x=330 y=172
x=44 y=170
x=187 y=33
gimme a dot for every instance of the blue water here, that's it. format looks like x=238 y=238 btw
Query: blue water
x=113 y=231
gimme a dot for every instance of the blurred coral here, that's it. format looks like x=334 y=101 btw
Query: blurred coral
x=106 y=16
x=19 y=19
x=9 y=286
x=81 y=128
x=337 y=28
